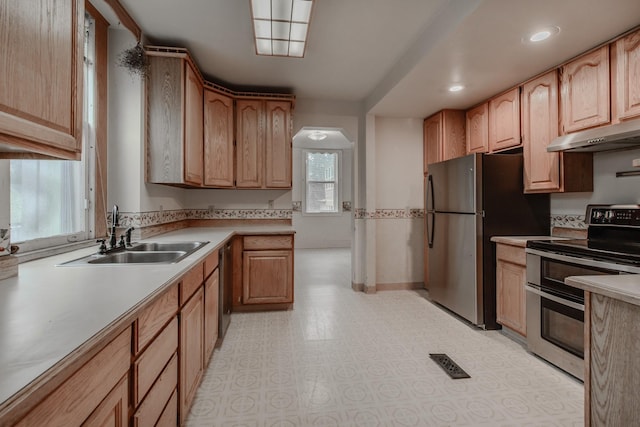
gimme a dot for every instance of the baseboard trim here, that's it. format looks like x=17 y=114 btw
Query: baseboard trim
x=409 y=286
x=358 y=287
x=369 y=289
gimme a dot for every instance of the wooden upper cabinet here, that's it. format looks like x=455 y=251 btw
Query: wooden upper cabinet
x=218 y=140
x=250 y=143
x=444 y=136
x=539 y=128
x=41 y=78
x=504 y=121
x=584 y=92
x=625 y=77
x=478 y=129
x=263 y=144
x=174 y=121
x=193 y=132
x=432 y=137
x=278 y=144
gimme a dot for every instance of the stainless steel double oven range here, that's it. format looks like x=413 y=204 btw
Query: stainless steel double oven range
x=555 y=311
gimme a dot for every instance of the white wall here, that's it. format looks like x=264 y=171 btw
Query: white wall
x=607 y=188
x=324 y=231
x=398 y=185
x=5 y=196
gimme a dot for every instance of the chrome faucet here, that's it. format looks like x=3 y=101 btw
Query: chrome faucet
x=114 y=224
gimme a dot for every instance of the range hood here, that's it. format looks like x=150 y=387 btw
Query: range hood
x=611 y=137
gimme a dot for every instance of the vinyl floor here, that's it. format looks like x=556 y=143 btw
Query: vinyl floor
x=345 y=358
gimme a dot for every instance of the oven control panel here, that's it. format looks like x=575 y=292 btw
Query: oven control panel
x=614 y=215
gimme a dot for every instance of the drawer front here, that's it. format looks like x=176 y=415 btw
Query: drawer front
x=153 y=360
x=169 y=417
x=75 y=400
x=513 y=254
x=268 y=242
x=153 y=318
x=210 y=263
x=152 y=407
x=191 y=282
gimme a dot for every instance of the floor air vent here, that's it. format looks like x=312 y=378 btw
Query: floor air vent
x=449 y=366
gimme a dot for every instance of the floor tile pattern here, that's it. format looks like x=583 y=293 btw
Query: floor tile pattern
x=345 y=358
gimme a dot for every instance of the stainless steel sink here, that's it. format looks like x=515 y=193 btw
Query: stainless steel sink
x=139 y=257
x=167 y=246
x=142 y=253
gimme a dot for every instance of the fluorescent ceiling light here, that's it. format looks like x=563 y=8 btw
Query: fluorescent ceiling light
x=281 y=27
x=456 y=88
x=317 y=135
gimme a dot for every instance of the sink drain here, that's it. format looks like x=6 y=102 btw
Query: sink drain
x=449 y=366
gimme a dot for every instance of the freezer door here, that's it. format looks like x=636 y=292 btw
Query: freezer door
x=455 y=260
x=453 y=184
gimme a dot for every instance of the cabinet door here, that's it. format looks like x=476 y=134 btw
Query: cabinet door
x=218 y=140
x=193 y=128
x=41 y=60
x=625 y=58
x=191 y=350
x=278 y=144
x=211 y=293
x=453 y=143
x=432 y=140
x=585 y=91
x=539 y=128
x=504 y=121
x=250 y=144
x=478 y=129
x=510 y=310
x=267 y=277
x=114 y=409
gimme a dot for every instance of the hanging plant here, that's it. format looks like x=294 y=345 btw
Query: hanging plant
x=134 y=60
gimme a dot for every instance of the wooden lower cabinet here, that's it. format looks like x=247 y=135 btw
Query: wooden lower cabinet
x=511 y=276
x=159 y=399
x=86 y=396
x=191 y=350
x=114 y=409
x=267 y=277
x=211 y=300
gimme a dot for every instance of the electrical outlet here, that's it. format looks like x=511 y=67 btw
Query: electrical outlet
x=270 y=204
x=160 y=208
x=211 y=209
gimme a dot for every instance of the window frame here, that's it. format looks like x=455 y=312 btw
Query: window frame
x=337 y=181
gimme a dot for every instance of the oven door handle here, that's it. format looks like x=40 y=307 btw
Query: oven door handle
x=559 y=300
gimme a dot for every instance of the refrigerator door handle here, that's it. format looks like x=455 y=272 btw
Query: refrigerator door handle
x=430 y=193
x=431 y=229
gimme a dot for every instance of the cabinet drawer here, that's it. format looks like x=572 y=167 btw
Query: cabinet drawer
x=152 y=407
x=191 y=282
x=268 y=242
x=151 y=363
x=210 y=263
x=153 y=318
x=513 y=254
x=76 y=398
x=169 y=417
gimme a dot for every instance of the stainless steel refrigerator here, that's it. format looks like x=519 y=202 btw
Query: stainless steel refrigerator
x=469 y=200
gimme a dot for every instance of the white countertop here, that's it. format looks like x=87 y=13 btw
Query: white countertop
x=522 y=240
x=46 y=312
x=623 y=287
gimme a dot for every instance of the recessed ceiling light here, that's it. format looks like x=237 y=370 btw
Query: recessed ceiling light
x=317 y=135
x=456 y=88
x=541 y=34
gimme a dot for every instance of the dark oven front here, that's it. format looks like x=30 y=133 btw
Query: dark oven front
x=555 y=311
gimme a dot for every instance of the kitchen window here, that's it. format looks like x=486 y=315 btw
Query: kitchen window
x=322 y=181
x=52 y=200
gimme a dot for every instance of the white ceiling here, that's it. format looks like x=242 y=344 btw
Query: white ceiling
x=396 y=57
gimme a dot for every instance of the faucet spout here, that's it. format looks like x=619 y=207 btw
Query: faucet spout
x=114 y=224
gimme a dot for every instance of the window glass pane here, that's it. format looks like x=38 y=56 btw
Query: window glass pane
x=47 y=198
x=321 y=166
x=321 y=197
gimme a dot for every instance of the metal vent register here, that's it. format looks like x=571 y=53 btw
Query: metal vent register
x=449 y=366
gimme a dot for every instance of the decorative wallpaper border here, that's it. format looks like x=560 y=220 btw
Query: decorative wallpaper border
x=389 y=214
x=568 y=221
x=146 y=219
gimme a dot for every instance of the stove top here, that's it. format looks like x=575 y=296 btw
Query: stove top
x=613 y=235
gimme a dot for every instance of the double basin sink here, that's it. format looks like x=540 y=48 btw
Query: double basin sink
x=142 y=253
